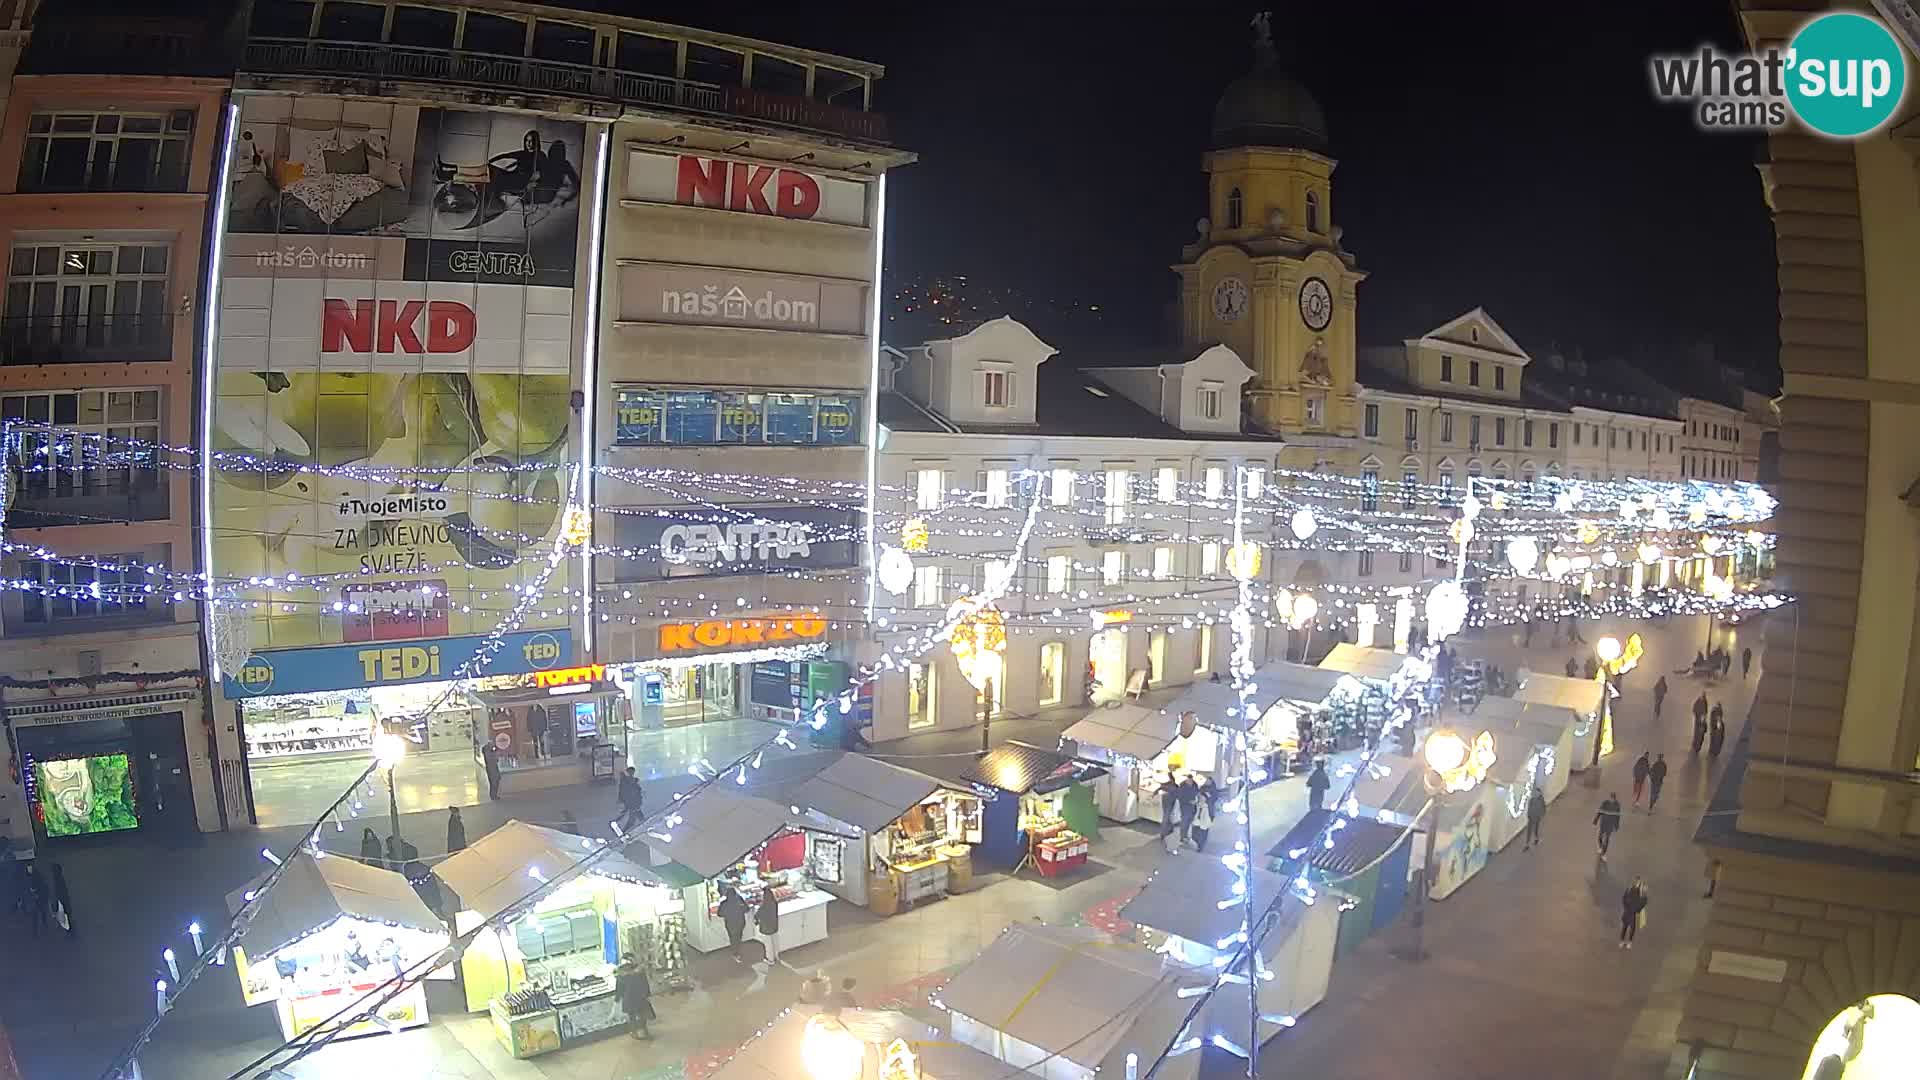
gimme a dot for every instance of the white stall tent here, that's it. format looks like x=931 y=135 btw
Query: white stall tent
x=719 y=827
x=498 y=870
x=316 y=893
x=1463 y=837
x=1582 y=696
x=1064 y=1003
x=1376 y=665
x=775 y=1053
x=861 y=795
x=1389 y=788
x=1525 y=730
x=1136 y=742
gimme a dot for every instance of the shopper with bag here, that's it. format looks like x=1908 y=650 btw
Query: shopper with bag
x=62 y=900
x=1633 y=911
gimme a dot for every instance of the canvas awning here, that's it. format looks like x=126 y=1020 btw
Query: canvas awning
x=1137 y=731
x=1209 y=701
x=719 y=827
x=1393 y=784
x=1378 y=665
x=497 y=870
x=1184 y=900
x=773 y=1054
x=1283 y=680
x=315 y=892
x=864 y=793
x=1539 y=721
x=1018 y=768
x=1580 y=695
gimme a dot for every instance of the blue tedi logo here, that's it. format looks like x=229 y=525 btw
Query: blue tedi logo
x=255 y=676
x=542 y=651
x=1843 y=75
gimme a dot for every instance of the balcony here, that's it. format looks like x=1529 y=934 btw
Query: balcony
x=373 y=60
x=86 y=339
x=43 y=501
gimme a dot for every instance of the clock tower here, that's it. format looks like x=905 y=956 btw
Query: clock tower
x=1266 y=275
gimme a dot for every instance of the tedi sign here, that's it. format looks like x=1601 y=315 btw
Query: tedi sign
x=761 y=541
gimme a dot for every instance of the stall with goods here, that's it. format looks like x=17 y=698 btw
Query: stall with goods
x=1039 y=808
x=1313 y=711
x=912 y=836
x=1144 y=748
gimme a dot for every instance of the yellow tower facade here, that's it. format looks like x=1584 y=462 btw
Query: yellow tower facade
x=1266 y=274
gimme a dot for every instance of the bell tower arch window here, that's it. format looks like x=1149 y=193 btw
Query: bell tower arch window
x=1313 y=211
x=1236 y=209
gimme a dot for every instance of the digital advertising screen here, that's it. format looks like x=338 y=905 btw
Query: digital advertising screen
x=83 y=795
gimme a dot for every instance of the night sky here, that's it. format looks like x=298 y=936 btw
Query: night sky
x=1507 y=155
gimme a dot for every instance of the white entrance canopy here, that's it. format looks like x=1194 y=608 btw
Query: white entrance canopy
x=314 y=893
x=498 y=870
x=1137 y=731
x=1379 y=665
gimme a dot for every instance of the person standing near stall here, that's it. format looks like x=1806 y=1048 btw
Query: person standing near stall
x=733 y=913
x=490 y=757
x=766 y=919
x=1633 y=911
x=456 y=831
x=1317 y=784
x=1536 y=815
x=636 y=996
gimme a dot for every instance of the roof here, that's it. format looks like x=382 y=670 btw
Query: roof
x=1072 y=992
x=1139 y=731
x=898 y=413
x=1531 y=396
x=1548 y=720
x=1393 y=784
x=1358 y=844
x=771 y=1054
x=1186 y=902
x=1268 y=107
x=1019 y=768
x=1582 y=695
x=863 y=792
x=314 y=892
x=718 y=828
x=1377 y=664
x=496 y=871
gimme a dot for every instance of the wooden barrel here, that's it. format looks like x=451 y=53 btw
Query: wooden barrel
x=960 y=872
x=883 y=894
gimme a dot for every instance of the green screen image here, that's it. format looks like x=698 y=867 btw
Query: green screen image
x=85 y=795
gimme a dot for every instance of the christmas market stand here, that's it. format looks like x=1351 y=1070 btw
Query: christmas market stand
x=1039 y=806
x=1364 y=860
x=913 y=836
x=1585 y=699
x=1143 y=748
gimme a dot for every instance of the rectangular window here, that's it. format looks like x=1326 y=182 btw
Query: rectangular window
x=926 y=587
x=997 y=392
x=1366 y=564
x=1473 y=373
x=1499 y=377
x=1643 y=440
x=1409 y=483
x=1209 y=401
x=1162 y=563
x=998 y=488
x=70 y=303
x=1166 y=483
x=645 y=416
x=1113 y=567
x=1446 y=428
x=1473 y=432
x=1115 y=494
x=1526 y=433
x=1060 y=487
x=1216 y=486
x=1613 y=438
x=1372 y=422
x=108 y=587
x=1576 y=434
x=1316 y=410
x=1406 y=562
x=1499 y=431
x=920 y=695
x=1446 y=481
x=99 y=466
x=1413 y=426
x=1256 y=481
x=1053 y=670
x=1553 y=436
x=1203 y=651
x=1156 y=657
x=1370 y=489
x=929 y=488
x=1210 y=558
x=107 y=151
x=1446 y=368
x=1059 y=573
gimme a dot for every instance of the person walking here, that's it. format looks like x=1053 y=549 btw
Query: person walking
x=1726 y=662
x=1746 y=662
x=490 y=757
x=633 y=801
x=1536 y=813
x=1713 y=877
x=636 y=996
x=1169 y=813
x=1633 y=911
x=1699 y=733
x=733 y=913
x=1641 y=767
x=1608 y=819
x=1317 y=784
x=1719 y=736
x=537 y=731
x=1573 y=668
x=766 y=919
x=1719 y=713
x=1659 y=696
x=63 y=901
x=456 y=831
x=1656 y=779
x=1700 y=706
x=40 y=897
x=370 y=850
x=1187 y=795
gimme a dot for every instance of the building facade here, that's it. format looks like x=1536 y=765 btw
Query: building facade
x=1808 y=968
x=108 y=151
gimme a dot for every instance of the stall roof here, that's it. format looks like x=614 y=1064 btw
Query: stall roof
x=771 y=1055
x=314 y=892
x=1139 y=731
x=1185 y=900
x=1401 y=790
x=864 y=793
x=719 y=827
x=492 y=874
x=1283 y=680
x=1019 y=768
x=1073 y=992
x=1377 y=664
x=1582 y=695
x=1358 y=844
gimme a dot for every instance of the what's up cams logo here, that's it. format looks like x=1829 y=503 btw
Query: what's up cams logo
x=1843 y=75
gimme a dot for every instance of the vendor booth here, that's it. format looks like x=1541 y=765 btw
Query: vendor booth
x=1143 y=749
x=724 y=839
x=330 y=933
x=1182 y=904
x=1038 y=807
x=1530 y=732
x=889 y=1046
x=1313 y=710
x=1365 y=860
x=552 y=734
x=914 y=837
x=547 y=975
x=1374 y=665
x=1463 y=837
x=1065 y=1003
x=1584 y=699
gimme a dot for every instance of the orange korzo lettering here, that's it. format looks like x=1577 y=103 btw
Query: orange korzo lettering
x=678 y=637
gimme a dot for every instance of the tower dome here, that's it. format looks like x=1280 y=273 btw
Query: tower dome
x=1268 y=107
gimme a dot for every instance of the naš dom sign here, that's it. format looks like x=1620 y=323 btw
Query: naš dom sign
x=735 y=633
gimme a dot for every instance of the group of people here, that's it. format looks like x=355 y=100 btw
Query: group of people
x=1709 y=723
x=734 y=911
x=1633 y=902
x=1576 y=671
x=1718 y=661
x=1187 y=809
x=1649 y=776
x=41 y=894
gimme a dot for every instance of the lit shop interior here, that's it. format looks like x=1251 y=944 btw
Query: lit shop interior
x=913 y=836
x=546 y=978
x=1144 y=748
x=1038 y=808
x=331 y=932
x=679 y=693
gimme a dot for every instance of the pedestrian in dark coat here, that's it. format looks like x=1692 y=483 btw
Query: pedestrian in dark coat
x=1700 y=706
x=40 y=896
x=456 y=831
x=1633 y=906
x=490 y=757
x=1746 y=662
x=636 y=996
x=1187 y=794
x=1659 y=695
x=1608 y=819
x=733 y=913
x=1573 y=668
x=1536 y=814
x=62 y=899
x=1169 y=813
x=370 y=849
x=1317 y=784
x=1641 y=768
x=633 y=808
x=1719 y=737
x=766 y=919
x=1656 y=779
x=1719 y=712
x=1699 y=733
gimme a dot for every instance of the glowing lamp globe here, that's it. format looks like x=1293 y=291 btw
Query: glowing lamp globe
x=1608 y=649
x=388 y=749
x=1697 y=514
x=1660 y=519
x=1756 y=539
x=1243 y=560
x=1445 y=752
x=1558 y=565
x=1302 y=523
x=1629 y=510
x=1446 y=610
x=895 y=570
x=1523 y=554
x=1283 y=603
x=1649 y=554
x=830 y=1051
x=1710 y=544
x=1305 y=607
x=1609 y=558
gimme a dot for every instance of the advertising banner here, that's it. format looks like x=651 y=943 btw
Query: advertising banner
x=787 y=538
x=744 y=187
x=341 y=667
x=713 y=296
x=395 y=349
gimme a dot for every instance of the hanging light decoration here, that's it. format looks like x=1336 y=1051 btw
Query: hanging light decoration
x=1523 y=554
x=895 y=570
x=1243 y=560
x=1302 y=523
x=1446 y=610
x=1649 y=554
x=1588 y=532
x=1461 y=531
x=913 y=534
x=979 y=641
x=1710 y=544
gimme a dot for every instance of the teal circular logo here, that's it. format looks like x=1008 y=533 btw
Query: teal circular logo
x=541 y=651
x=255 y=676
x=1846 y=75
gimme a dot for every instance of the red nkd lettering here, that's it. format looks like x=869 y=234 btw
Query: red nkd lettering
x=740 y=186
x=389 y=326
x=701 y=182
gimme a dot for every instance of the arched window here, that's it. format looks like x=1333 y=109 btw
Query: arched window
x=1313 y=211
x=1235 y=209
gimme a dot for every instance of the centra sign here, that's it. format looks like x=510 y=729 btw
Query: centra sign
x=732 y=633
x=759 y=541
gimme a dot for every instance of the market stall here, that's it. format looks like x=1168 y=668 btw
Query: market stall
x=1529 y=732
x=1585 y=699
x=546 y=977
x=722 y=839
x=1068 y=1003
x=551 y=734
x=1143 y=749
x=1463 y=837
x=890 y=1046
x=330 y=933
x=1363 y=859
x=913 y=835
x=1313 y=711
x=1374 y=665
x=1039 y=807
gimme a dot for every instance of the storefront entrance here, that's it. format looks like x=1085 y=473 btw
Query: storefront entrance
x=1107 y=666
x=699 y=693
x=94 y=776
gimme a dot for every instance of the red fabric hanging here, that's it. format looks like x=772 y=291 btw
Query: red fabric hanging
x=783 y=853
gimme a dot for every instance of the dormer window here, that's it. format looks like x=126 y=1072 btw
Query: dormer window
x=1313 y=212
x=996 y=388
x=1236 y=209
x=1210 y=401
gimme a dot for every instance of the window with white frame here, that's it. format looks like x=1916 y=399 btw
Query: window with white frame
x=1413 y=426
x=996 y=388
x=106 y=440
x=1446 y=481
x=926 y=587
x=1059 y=573
x=1216 y=482
x=1166 y=483
x=1370 y=488
x=1256 y=480
x=1499 y=431
x=1210 y=400
x=996 y=483
x=90 y=294
x=108 y=586
x=1113 y=567
x=1210 y=557
x=1366 y=564
x=1316 y=410
x=1162 y=563
x=1371 y=422
x=1446 y=428
x=929 y=487
x=107 y=150
x=1060 y=487
x=1114 y=495
x=1409 y=483
x=1203 y=651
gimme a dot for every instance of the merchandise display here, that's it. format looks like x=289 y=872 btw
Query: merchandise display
x=1025 y=787
x=308 y=726
x=773 y=872
x=912 y=836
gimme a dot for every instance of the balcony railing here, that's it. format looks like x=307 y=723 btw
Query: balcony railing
x=85 y=339
x=364 y=60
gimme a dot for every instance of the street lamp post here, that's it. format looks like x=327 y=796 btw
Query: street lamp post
x=388 y=749
x=1451 y=765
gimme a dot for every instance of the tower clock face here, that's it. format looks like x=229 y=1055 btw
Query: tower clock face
x=1229 y=299
x=1316 y=304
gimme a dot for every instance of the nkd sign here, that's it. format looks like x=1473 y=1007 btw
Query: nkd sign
x=745 y=187
x=703 y=296
x=394 y=326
